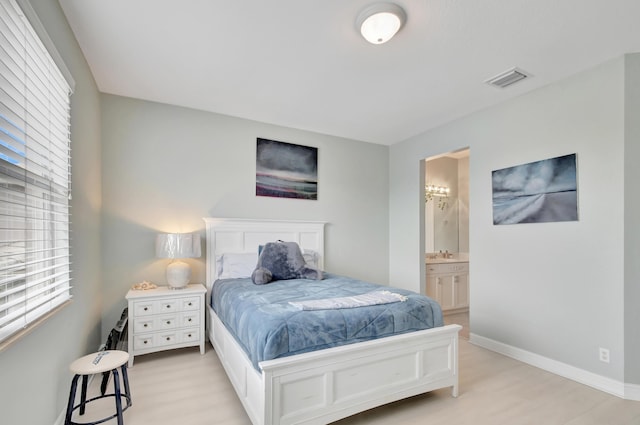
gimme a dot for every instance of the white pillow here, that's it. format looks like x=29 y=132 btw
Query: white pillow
x=311 y=257
x=236 y=265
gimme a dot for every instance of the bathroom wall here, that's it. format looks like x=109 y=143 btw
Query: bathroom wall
x=463 y=204
x=447 y=219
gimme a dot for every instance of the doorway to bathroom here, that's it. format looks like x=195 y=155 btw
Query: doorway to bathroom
x=446 y=224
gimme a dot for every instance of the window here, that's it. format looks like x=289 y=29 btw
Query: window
x=35 y=175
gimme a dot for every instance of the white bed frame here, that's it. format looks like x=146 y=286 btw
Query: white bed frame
x=323 y=386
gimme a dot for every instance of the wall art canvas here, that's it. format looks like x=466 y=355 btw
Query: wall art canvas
x=537 y=192
x=285 y=170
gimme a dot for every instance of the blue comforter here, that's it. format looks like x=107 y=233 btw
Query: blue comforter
x=267 y=326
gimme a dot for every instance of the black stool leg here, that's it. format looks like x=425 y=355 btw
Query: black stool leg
x=83 y=394
x=72 y=398
x=125 y=379
x=116 y=386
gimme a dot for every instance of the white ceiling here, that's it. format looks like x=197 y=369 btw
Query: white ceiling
x=302 y=64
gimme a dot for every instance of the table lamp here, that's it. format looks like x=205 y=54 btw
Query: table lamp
x=177 y=246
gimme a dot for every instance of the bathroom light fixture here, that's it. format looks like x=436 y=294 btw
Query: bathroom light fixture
x=379 y=22
x=442 y=192
x=176 y=246
x=436 y=190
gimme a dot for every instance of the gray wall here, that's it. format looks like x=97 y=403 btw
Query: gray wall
x=34 y=371
x=555 y=289
x=631 y=215
x=166 y=167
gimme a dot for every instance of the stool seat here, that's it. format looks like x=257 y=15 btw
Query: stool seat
x=102 y=361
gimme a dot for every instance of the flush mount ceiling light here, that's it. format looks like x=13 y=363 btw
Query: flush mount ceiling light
x=379 y=22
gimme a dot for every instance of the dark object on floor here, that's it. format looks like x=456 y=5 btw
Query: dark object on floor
x=117 y=340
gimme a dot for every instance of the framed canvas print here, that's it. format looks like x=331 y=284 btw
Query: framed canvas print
x=537 y=192
x=285 y=170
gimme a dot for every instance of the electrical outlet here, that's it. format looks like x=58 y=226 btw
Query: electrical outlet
x=604 y=355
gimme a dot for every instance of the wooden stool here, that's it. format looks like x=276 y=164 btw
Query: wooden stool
x=102 y=361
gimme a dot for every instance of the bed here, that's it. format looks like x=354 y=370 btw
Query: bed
x=319 y=387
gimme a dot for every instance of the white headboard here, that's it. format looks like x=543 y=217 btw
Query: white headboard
x=245 y=235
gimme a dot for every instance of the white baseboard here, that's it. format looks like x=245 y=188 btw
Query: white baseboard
x=608 y=385
x=632 y=392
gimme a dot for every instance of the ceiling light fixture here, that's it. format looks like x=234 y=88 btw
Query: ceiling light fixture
x=379 y=22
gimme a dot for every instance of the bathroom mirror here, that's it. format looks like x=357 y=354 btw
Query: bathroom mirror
x=444 y=225
x=446 y=217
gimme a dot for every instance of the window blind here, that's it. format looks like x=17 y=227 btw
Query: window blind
x=35 y=176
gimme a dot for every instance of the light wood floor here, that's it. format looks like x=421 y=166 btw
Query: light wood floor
x=182 y=387
x=461 y=319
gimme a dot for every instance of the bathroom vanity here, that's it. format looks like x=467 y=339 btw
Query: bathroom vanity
x=448 y=282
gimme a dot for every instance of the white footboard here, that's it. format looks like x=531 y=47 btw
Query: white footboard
x=327 y=385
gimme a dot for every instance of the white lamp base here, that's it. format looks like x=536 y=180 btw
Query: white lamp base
x=178 y=274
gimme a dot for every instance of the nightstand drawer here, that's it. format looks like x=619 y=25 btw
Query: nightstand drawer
x=144 y=308
x=144 y=324
x=148 y=308
x=166 y=338
x=148 y=341
x=168 y=321
x=167 y=306
x=189 y=335
x=190 y=318
x=190 y=304
x=143 y=342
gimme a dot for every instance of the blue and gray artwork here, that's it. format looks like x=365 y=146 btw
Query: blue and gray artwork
x=285 y=170
x=537 y=192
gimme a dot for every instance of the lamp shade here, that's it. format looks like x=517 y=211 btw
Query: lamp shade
x=175 y=246
x=178 y=245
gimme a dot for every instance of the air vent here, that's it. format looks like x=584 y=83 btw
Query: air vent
x=508 y=78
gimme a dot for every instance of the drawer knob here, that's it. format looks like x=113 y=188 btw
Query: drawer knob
x=146 y=324
x=168 y=306
x=146 y=308
x=189 y=319
x=189 y=335
x=168 y=338
x=190 y=304
x=168 y=322
x=145 y=341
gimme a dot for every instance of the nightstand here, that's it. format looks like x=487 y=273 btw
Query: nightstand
x=164 y=319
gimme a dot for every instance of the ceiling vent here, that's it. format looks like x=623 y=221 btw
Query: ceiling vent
x=508 y=78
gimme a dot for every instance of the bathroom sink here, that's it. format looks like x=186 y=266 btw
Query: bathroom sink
x=442 y=260
x=462 y=258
